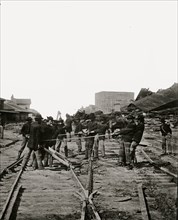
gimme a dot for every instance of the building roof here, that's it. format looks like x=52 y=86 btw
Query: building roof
x=8 y=111
x=23 y=101
x=143 y=93
x=158 y=99
x=114 y=92
x=11 y=106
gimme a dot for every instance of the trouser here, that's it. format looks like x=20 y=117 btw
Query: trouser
x=69 y=136
x=79 y=143
x=96 y=146
x=102 y=146
x=109 y=133
x=47 y=158
x=166 y=144
x=37 y=158
x=133 y=146
x=89 y=147
x=24 y=142
x=58 y=145
x=124 y=153
x=1 y=132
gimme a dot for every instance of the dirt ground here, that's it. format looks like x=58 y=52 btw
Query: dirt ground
x=53 y=193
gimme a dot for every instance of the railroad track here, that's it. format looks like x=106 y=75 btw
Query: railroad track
x=162 y=184
x=90 y=190
x=9 y=154
x=9 y=178
x=156 y=144
x=155 y=183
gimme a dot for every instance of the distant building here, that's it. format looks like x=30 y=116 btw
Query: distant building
x=108 y=101
x=23 y=103
x=15 y=110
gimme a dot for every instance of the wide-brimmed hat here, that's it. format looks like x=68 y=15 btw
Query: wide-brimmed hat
x=38 y=116
x=50 y=118
x=92 y=116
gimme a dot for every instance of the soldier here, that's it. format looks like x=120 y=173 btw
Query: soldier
x=34 y=144
x=48 y=131
x=60 y=134
x=25 y=131
x=90 y=135
x=78 y=133
x=166 y=133
x=127 y=134
x=68 y=126
x=139 y=121
x=100 y=139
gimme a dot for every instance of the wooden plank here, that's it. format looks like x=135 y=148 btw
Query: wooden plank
x=142 y=203
x=57 y=158
x=84 y=207
x=94 y=209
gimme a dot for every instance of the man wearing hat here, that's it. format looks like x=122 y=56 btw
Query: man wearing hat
x=139 y=121
x=127 y=134
x=61 y=137
x=166 y=133
x=78 y=133
x=102 y=126
x=25 y=132
x=34 y=144
x=90 y=136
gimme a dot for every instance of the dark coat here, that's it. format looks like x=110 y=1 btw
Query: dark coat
x=60 y=132
x=78 y=128
x=35 y=136
x=101 y=128
x=138 y=132
x=165 y=129
x=68 y=123
x=47 y=135
x=128 y=132
x=25 y=129
x=92 y=128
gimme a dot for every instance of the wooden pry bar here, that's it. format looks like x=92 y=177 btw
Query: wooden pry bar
x=53 y=154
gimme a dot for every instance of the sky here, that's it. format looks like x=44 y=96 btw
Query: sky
x=60 y=53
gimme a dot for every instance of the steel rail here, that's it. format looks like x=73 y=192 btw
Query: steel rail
x=5 y=207
x=10 y=167
x=87 y=194
x=12 y=204
x=158 y=167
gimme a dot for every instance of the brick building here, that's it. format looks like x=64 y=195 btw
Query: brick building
x=108 y=101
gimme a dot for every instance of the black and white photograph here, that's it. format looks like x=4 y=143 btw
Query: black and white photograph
x=88 y=110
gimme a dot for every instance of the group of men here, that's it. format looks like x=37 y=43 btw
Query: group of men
x=41 y=134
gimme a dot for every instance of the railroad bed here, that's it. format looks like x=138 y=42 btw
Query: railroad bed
x=53 y=193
